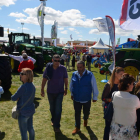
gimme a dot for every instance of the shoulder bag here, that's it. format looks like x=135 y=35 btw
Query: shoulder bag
x=15 y=112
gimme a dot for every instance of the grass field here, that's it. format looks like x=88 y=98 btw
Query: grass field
x=42 y=123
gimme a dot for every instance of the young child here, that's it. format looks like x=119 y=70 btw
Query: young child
x=1 y=89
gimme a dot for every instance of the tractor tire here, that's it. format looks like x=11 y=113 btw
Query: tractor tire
x=39 y=62
x=5 y=73
x=96 y=65
x=14 y=65
x=131 y=68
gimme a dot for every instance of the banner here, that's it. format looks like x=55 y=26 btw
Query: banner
x=71 y=36
x=40 y=14
x=101 y=24
x=54 y=30
x=111 y=30
x=130 y=15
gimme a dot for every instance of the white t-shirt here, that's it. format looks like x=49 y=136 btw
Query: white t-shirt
x=20 y=58
x=125 y=106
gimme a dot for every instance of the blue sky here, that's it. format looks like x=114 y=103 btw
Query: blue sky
x=73 y=17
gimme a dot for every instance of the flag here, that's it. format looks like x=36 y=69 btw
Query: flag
x=130 y=15
x=111 y=30
x=54 y=30
x=8 y=30
x=40 y=14
x=71 y=37
x=118 y=42
x=101 y=24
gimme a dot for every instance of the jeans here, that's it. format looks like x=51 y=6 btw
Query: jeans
x=55 y=101
x=26 y=124
x=107 y=127
x=86 y=111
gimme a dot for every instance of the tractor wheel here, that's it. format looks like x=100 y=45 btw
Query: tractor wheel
x=39 y=62
x=14 y=65
x=131 y=68
x=132 y=71
x=5 y=73
x=102 y=71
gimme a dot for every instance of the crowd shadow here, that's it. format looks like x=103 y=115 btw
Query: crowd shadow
x=36 y=102
x=61 y=136
x=82 y=136
x=2 y=135
x=91 y=133
x=6 y=96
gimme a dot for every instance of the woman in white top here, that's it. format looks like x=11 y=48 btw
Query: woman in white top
x=123 y=125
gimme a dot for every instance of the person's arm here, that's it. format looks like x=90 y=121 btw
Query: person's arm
x=66 y=86
x=42 y=87
x=71 y=86
x=29 y=57
x=18 y=94
x=15 y=57
x=105 y=93
x=94 y=88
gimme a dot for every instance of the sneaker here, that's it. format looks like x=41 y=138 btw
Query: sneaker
x=75 y=131
x=57 y=130
x=85 y=123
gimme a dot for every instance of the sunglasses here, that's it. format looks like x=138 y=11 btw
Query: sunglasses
x=56 y=60
x=22 y=73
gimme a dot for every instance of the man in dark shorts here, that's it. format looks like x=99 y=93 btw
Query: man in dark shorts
x=56 y=77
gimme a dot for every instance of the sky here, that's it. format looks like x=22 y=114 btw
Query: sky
x=73 y=16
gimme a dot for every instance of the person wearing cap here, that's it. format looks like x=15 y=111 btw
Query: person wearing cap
x=26 y=63
x=20 y=58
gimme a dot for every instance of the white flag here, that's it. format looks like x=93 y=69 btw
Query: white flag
x=101 y=24
x=130 y=15
x=40 y=14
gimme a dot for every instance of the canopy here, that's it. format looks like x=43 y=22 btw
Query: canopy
x=100 y=45
x=68 y=47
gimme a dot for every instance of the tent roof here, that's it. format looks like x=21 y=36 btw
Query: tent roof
x=99 y=45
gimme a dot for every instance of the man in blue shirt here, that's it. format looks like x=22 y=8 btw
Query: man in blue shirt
x=82 y=85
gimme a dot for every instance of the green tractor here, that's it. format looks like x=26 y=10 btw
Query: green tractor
x=5 y=72
x=46 y=51
x=128 y=58
x=19 y=42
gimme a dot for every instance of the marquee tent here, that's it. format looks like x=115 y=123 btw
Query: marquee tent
x=100 y=46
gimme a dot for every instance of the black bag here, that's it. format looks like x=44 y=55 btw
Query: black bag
x=108 y=112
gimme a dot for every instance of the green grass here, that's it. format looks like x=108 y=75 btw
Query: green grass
x=42 y=123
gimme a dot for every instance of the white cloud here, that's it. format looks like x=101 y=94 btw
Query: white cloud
x=60 y=28
x=64 y=18
x=80 y=39
x=5 y=29
x=6 y=3
x=18 y=15
x=71 y=29
x=80 y=36
x=64 y=32
x=76 y=32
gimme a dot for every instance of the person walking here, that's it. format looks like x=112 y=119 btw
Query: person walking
x=26 y=63
x=123 y=126
x=84 y=57
x=26 y=91
x=20 y=58
x=109 y=88
x=73 y=62
x=89 y=58
x=82 y=85
x=68 y=61
x=78 y=57
x=56 y=77
x=62 y=59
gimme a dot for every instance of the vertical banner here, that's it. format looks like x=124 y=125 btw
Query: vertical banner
x=130 y=15
x=54 y=32
x=111 y=30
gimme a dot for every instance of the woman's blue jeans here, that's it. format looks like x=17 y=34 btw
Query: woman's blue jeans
x=26 y=124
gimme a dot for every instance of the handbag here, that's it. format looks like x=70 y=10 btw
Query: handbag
x=108 y=112
x=15 y=111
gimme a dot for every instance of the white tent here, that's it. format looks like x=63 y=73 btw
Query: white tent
x=100 y=46
x=69 y=47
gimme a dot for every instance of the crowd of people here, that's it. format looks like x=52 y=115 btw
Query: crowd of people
x=121 y=90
